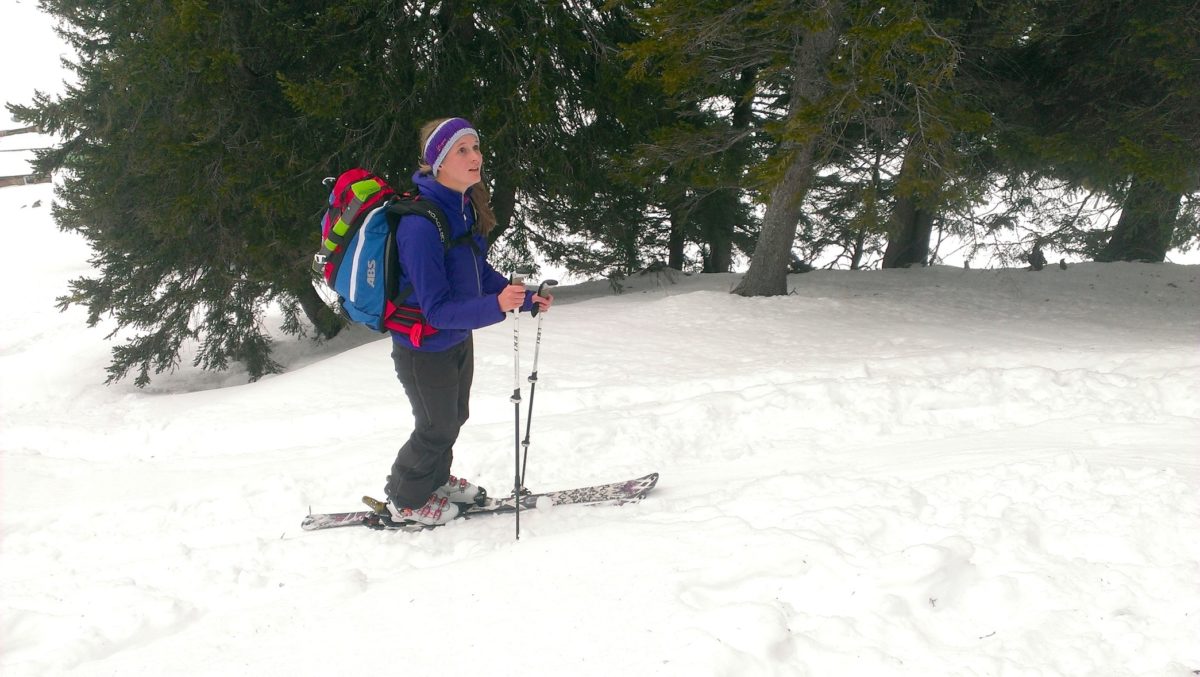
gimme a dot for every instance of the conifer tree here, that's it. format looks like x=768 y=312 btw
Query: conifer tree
x=1109 y=96
x=200 y=130
x=181 y=166
x=841 y=90
x=744 y=75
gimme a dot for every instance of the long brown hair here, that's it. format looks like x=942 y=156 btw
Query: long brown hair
x=481 y=197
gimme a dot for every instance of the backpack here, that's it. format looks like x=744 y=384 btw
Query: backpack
x=358 y=258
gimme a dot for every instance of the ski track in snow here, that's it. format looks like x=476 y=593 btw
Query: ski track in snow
x=889 y=473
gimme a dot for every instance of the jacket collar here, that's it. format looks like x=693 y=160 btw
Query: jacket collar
x=447 y=197
x=452 y=202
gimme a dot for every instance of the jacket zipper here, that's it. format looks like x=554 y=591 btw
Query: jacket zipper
x=474 y=255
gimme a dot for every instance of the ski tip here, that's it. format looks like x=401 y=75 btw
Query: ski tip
x=638 y=488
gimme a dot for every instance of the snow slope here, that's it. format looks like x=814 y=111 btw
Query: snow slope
x=920 y=472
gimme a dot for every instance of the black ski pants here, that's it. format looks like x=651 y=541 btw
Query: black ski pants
x=438 y=386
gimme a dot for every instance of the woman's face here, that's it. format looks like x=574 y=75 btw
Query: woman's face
x=460 y=169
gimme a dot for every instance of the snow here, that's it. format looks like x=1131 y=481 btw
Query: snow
x=917 y=472
x=939 y=471
x=30 y=52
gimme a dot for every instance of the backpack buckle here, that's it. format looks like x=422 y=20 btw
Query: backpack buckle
x=318 y=264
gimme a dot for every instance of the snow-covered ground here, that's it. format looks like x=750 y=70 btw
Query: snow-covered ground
x=921 y=472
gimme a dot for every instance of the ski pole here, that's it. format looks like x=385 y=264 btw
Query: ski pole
x=517 y=278
x=533 y=378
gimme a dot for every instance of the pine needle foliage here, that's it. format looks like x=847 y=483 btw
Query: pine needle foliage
x=199 y=132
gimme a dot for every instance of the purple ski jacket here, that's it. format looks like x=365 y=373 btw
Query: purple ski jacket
x=455 y=288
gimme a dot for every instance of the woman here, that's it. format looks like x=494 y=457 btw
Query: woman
x=457 y=291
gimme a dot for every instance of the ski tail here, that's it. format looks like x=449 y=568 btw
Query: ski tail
x=375 y=505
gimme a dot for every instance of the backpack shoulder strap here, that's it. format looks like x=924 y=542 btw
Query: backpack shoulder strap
x=410 y=202
x=406 y=204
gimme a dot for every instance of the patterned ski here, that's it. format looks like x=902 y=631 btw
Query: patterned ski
x=615 y=493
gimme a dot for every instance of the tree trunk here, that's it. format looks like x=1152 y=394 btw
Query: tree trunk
x=772 y=257
x=1146 y=226
x=870 y=210
x=767 y=275
x=678 y=215
x=911 y=221
x=676 y=240
x=717 y=213
x=326 y=322
x=504 y=204
x=723 y=205
x=720 y=254
x=856 y=256
x=910 y=229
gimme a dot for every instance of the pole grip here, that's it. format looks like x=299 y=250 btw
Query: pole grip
x=541 y=292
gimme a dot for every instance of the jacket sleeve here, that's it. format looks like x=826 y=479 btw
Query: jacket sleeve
x=423 y=260
x=494 y=282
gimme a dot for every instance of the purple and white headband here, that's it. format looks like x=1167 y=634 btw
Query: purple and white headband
x=442 y=140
